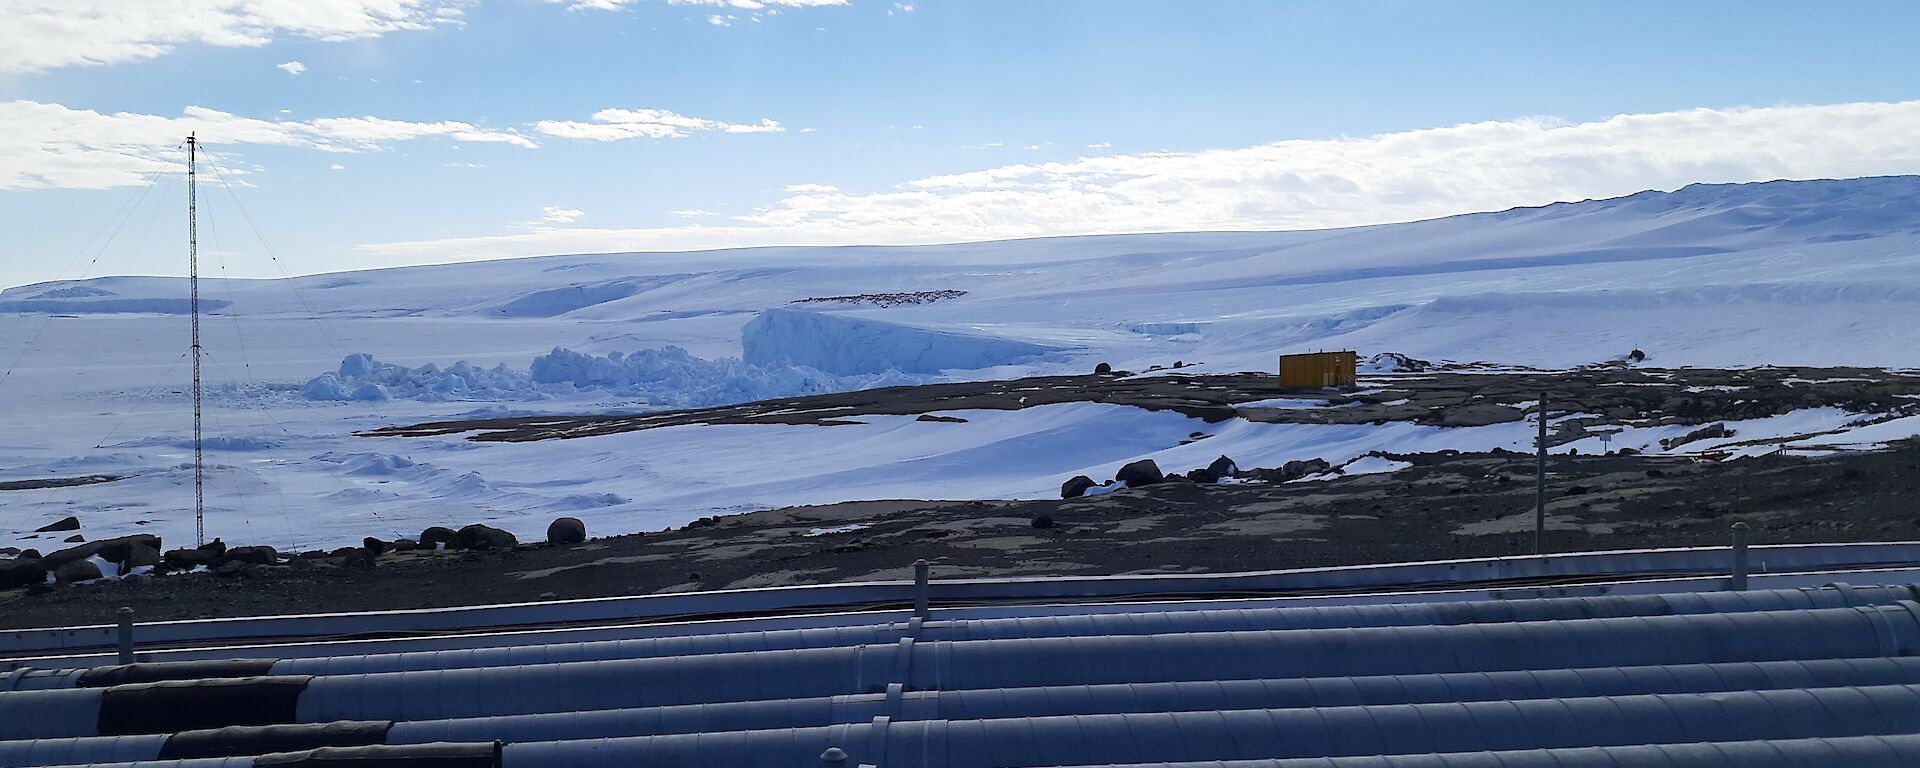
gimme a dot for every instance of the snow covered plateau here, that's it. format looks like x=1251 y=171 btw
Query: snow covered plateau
x=1803 y=273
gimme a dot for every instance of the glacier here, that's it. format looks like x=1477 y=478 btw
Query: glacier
x=857 y=345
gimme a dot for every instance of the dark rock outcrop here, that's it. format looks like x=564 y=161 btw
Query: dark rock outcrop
x=1292 y=470
x=1223 y=467
x=1076 y=487
x=478 y=536
x=68 y=523
x=431 y=538
x=566 y=530
x=1140 y=473
x=76 y=570
x=256 y=555
x=1708 y=432
x=188 y=559
x=114 y=550
x=20 y=572
x=139 y=554
x=1478 y=415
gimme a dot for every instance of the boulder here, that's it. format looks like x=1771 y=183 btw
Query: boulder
x=188 y=559
x=1103 y=369
x=1076 y=487
x=432 y=538
x=374 y=546
x=405 y=545
x=115 y=550
x=1140 y=473
x=940 y=419
x=1223 y=467
x=479 y=536
x=1043 y=521
x=76 y=570
x=566 y=530
x=74 y=539
x=21 y=572
x=139 y=554
x=1203 y=475
x=258 y=555
x=68 y=523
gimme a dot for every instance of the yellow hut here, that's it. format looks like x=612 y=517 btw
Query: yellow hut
x=1319 y=370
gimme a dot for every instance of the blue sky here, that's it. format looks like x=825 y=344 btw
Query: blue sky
x=816 y=121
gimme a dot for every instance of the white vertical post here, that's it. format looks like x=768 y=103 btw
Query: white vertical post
x=920 y=588
x=125 y=616
x=1739 y=581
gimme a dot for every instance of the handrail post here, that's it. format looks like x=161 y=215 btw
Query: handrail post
x=1739 y=581
x=125 y=616
x=920 y=588
x=834 y=757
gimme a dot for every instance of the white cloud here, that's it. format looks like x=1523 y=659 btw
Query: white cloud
x=54 y=146
x=692 y=213
x=721 y=21
x=1101 y=145
x=618 y=124
x=771 y=7
x=1293 y=184
x=553 y=215
x=39 y=35
x=901 y=7
x=292 y=67
x=336 y=167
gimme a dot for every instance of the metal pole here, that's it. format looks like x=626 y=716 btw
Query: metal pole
x=126 y=635
x=193 y=305
x=920 y=588
x=1540 y=483
x=1739 y=581
x=834 y=757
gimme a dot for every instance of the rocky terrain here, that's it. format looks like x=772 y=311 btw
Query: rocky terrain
x=1618 y=395
x=1221 y=517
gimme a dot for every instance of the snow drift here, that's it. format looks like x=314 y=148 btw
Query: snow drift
x=853 y=345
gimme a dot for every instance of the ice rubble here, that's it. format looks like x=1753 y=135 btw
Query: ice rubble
x=668 y=377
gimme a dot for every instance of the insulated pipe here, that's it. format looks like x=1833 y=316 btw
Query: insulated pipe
x=1844 y=752
x=417 y=755
x=1252 y=734
x=1164 y=697
x=1766 y=636
x=1833 y=633
x=1155 y=620
x=1008 y=703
